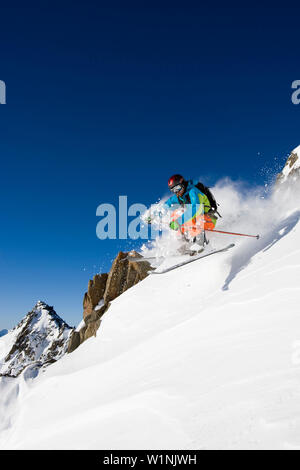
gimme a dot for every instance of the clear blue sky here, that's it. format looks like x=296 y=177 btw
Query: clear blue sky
x=111 y=98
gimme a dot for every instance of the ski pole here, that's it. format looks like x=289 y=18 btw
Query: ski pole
x=232 y=233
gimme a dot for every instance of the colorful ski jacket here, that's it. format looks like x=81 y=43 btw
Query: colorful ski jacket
x=196 y=203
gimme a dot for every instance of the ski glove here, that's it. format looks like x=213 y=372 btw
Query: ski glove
x=149 y=220
x=174 y=225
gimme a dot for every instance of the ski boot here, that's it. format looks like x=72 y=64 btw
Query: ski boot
x=198 y=244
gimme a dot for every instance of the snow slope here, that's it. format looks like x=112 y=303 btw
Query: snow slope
x=203 y=357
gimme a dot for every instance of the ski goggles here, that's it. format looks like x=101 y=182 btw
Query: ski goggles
x=177 y=188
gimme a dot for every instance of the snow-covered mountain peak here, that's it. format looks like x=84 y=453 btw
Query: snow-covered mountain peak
x=43 y=313
x=40 y=338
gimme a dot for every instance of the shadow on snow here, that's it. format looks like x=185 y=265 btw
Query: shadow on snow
x=242 y=259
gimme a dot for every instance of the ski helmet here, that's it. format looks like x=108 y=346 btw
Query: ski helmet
x=176 y=183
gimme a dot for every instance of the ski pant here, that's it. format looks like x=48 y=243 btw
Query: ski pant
x=195 y=228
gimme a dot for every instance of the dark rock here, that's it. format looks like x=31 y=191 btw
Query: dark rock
x=291 y=170
x=74 y=341
x=94 y=294
x=123 y=275
x=103 y=289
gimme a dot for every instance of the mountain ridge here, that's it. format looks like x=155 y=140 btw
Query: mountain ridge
x=205 y=356
x=202 y=357
x=40 y=338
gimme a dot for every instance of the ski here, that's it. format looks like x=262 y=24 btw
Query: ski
x=155 y=258
x=141 y=260
x=196 y=258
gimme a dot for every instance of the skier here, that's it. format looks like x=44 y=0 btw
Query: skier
x=198 y=214
x=194 y=211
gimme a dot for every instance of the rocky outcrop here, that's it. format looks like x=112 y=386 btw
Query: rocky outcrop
x=291 y=170
x=102 y=290
x=123 y=275
x=95 y=292
x=41 y=338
